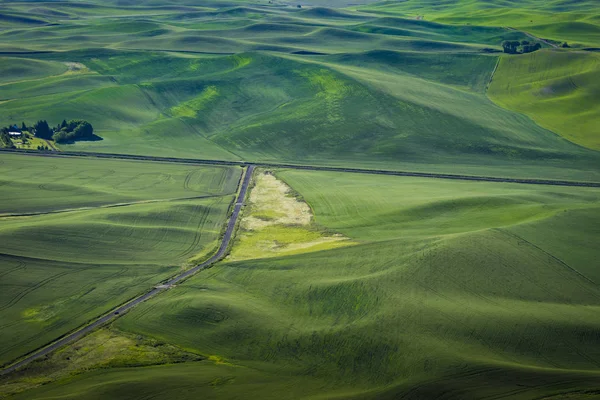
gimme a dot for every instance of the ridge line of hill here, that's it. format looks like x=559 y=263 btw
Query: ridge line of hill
x=132 y=157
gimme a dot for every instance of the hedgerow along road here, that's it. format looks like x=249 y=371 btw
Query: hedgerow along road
x=115 y=313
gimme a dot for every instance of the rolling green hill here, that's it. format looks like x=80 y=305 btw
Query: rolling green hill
x=373 y=287
x=558 y=20
x=377 y=88
x=452 y=286
x=81 y=236
x=558 y=89
x=376 y=109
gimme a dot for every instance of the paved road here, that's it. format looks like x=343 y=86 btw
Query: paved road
x=532 y=181
x=239 y=202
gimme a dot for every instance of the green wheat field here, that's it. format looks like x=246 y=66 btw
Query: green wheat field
x=337 y=285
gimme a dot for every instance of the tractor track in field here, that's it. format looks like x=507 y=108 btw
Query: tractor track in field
x=114 y=205
x=116 y=312
x=193 y=161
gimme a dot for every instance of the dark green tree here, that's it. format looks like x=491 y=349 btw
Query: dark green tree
x=511 y=46
x=42 y=130
x=531 y=48
x=5 y=139
x=74 y=130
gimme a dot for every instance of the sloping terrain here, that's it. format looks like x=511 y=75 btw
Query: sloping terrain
x=376 y=88
x=573 y=21
x=337 y=285
x=557 y=89
x=79 y=237
x=451 y=287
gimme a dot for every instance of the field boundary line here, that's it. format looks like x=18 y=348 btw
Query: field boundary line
x=199 y=161
x=493 y=73
x=561 y=262
x=161 y=287
x=113 y=205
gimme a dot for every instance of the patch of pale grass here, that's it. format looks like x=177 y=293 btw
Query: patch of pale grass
x=75 y=68
x=272 y=204
x=276 y=223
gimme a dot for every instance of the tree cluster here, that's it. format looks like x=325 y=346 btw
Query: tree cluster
x=75 y=129
x=64 y=132
x=517 y=47
x=42 y=130
x=5 y=139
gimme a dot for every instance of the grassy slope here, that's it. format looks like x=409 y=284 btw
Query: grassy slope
x=393 y=94
x=16 y=69
x=456 y=289
x=575 y=22
x=353 y=114
x=558 y=89
x=416 y=309
x=59 y=270
x=104 y=348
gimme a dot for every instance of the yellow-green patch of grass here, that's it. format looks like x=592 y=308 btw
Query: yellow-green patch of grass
x=191 y=107
x=331 y=89
x=45 y=313
x=32 y=143
x=105 y=348
x=75 y=68
x=241 y=60
x=271 y=203
x=277 y=240
x=277 y=223
x=218 y=360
